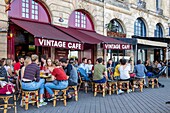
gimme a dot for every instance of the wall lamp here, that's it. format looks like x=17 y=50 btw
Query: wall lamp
x=8 y=5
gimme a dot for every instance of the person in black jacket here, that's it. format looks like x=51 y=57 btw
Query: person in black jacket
x=3 y=72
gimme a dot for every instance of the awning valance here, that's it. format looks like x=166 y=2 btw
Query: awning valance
x=91 y=37
x=47 y=35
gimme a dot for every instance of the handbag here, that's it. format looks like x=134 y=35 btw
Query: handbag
x=6 y=88
x=132 y=75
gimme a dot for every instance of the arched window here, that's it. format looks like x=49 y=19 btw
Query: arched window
x=158 y=31
x=80 y=19
x=139 y=28
x=115 y=26
x=29 y=9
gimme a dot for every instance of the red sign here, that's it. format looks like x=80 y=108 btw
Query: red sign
x=58 y=44
x=117 y=46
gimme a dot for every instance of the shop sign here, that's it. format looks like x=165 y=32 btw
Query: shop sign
x=117 y=46
x=58 y=44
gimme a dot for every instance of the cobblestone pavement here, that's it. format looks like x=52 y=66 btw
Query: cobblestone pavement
x=149 y=101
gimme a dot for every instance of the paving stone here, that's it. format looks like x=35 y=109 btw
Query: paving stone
x=149 y=101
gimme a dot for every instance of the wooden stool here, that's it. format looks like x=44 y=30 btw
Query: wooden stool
x=75 y=92
x=6 y=98
x=82 y=83
x=153 y=82
x=62 y=97
x=112 y=87
x=120 y=83
x=138 y=82
x=97 y=86
x=25 y=98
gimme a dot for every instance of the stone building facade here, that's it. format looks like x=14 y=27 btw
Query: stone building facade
x=101 y=13
x=3 y=30
x=125 y=11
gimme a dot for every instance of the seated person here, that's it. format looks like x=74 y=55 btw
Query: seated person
x=124 y=70
x=116 y=72
x=60 y=82
x=31 y=79
x=110 y=68
x=89 y=65
x=83 y=69
x=73 y=77
x=3 y=72
x=70 y=71
x=100 y=75
x=140 y=70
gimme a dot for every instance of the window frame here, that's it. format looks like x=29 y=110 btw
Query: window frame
x=139 y=28
x=33 y=9
x=115 y=24
x=158 y=31
x=80 y=20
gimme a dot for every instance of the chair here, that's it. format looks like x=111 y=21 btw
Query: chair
x=6 y=98
x=97 y=88
x=60 y=97
x=112 y=87
x=124 y=85
x=26 y=94
x=138 y=82
x=75 y=92
x=82 y=83
x=153 y=80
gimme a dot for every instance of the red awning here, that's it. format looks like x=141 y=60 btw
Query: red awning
x=47 y=35
x=105 y=39
x=91 y=37
x=84 y=38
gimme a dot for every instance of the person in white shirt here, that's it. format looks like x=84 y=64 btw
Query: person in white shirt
x=89 y=67
x=124 y=70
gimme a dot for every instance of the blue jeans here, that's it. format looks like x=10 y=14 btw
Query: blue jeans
x=56 y=85
x=34 y=85
x=103 y=80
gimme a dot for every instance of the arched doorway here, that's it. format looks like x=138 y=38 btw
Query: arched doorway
x=81 y=19
x=20 y=41
x=115 y=29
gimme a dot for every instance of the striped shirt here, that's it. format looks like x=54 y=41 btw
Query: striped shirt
x=32 y=71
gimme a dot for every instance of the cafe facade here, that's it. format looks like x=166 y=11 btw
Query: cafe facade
x=74 y=19
x=32 y=29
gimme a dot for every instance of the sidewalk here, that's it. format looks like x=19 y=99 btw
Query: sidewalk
x=150 y=100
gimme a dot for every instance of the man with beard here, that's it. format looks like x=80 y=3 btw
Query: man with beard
x=18 y=65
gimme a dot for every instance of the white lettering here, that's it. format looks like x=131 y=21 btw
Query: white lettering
x=69 y=45
x=40 y=41
x=48 y=43
x=60 y=44
x=52 y=42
